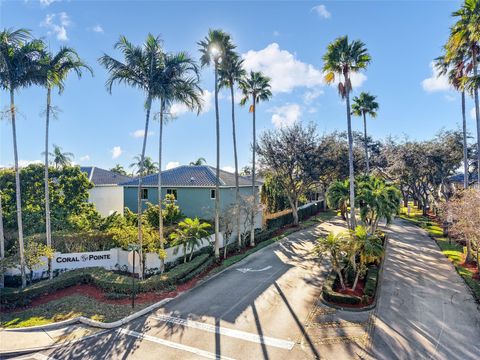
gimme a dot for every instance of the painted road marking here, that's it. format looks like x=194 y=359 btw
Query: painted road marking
x=282 y=344
x=174 y=345
x=245 y=270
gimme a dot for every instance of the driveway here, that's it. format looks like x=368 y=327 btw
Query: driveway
x=425 y=310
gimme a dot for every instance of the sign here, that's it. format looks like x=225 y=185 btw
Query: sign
x=105 y=259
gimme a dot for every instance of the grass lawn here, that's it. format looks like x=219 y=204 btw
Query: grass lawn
x=454 y=252
x=67 y=308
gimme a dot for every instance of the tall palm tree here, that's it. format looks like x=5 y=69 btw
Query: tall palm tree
x=231 y=72
x=145 y=167
x=138 y=71
x=177 y=79
x=455 y=69
x=60 y=158
x=198 y=162
x=19 y=68
x=55 y=69
x=364 y=105
x=341 y=60
x=466 y=33
x=256 y=86
x=215 y=47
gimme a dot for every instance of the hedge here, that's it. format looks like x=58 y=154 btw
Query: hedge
x=108 y=281
x=371 y=281
x=287 y=219
x=330 y=295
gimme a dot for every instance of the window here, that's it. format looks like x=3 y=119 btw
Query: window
x=212 y=194
x=144 y=194
x=172 y=192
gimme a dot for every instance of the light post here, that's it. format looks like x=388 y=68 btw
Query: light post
x=133 y=248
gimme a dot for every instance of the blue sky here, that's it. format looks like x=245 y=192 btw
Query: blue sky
x=286 y=40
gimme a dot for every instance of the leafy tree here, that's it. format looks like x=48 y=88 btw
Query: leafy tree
x=33 y=256
x=147 y=167
x=364 y=105
x=334 y=245
x=198 y=162
x=2 y=243
x=188 y=235
x=342 y=59
x=272 y=195
x=290 y=154
x=256 y=87
x=231 y=72
x=119 y=169
x=338 y=196
x=214 y=48
x=19 y=68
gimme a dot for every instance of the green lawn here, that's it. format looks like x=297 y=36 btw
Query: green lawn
x=454 y=252
x=67 y=308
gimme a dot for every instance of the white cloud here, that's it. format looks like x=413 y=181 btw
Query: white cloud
x=285 y=70
x=84 y=158
x=436 y=82
x=322 y=11
x=21 y=163
x=284 y=116
x=472 y=114
x=180 y=109
x=57 y=24
x=46 y=3
x=229 y=169
x=311 y=95
x=98 y=29
x=140 y=133
x=116 y=152
x=172 y=165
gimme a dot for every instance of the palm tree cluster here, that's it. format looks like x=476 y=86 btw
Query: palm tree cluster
x=460 y=63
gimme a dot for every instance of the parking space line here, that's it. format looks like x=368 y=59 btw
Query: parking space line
x=174 y=345
x=238 y=334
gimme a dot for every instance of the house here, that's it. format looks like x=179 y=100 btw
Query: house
x=106 y=194
x=193 y=188
x=456 y=181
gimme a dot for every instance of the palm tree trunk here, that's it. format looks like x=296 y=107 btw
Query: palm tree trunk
x=254 y=200
x=365 y=142
x=357 y=275
x=48 y=230
x=139 y=199
x=184 y=253
x=18 y=191
x=465 y=149
x=2 y=245
x=217 y=183
x=350 y=158
x=235 y=155
x=160 y=217
x=477 y=115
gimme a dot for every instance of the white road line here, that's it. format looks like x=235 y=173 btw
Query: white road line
x=173 y=345
x=282 y=344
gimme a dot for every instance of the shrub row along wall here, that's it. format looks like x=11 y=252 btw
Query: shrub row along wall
x=304 y=212
x=107 y=281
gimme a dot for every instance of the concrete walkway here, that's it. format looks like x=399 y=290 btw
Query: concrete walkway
x=425 y=310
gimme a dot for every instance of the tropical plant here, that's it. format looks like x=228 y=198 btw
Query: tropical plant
x=335 y=246
x=34 y=253
x=60 y=158
x=364 y=105
x=198 y=162
x=255 y=87
x=118 y=169
x=19 y=68
x=343 y=58
x=338 y=197
x=231 y=72
x=216 y=47
x=148 y=166
x=138 y=71
x=189 y=235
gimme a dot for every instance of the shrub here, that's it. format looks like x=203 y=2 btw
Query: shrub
x=115 y=296
x=330 y=295
x=371 y=281
x=287 y=219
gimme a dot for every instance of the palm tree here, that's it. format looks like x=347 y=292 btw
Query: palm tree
x=466 y=34
x=177 y=78
x=147 y=167
x=55 y=69
x=19 y=68
x=257 y=88
x=138 y=71
x=198 y=162
x=338 y=196
x=60 y=159
x=216 y=47
x=364 y=105
x=335 y=245
x=231 y=71
x=455 y=68
x=342 y=59
x=188 y=235
x=118 y=169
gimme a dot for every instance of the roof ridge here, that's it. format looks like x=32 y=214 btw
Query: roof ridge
x=91 y=174
x=214 y=174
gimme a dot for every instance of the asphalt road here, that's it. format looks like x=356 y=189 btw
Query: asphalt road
x=425 y=310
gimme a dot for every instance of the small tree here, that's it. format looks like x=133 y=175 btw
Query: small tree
x=33 y=256
x=248 y=212
x=338 y=195
x=188 y=235
x=227 y=224
x=335 y=245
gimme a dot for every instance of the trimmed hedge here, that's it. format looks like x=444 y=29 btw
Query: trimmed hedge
x=108 y=281
x=371 y=281
x=287 y=219
x=330 y=295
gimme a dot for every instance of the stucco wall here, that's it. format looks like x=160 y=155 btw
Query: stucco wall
x=107 y=199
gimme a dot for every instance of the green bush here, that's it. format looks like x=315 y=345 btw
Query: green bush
x=332 y=296
x=287 y=219
x=371 y=281
x=116 y=296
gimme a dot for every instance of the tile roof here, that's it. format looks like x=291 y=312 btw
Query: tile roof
x=100 y=176
x=459 y=178
x=191 y=175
